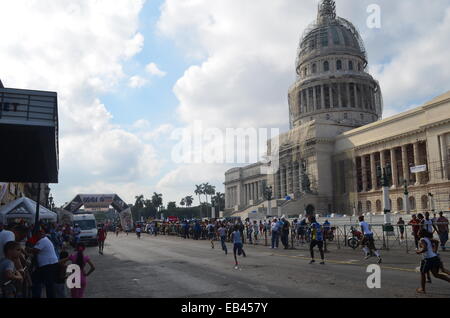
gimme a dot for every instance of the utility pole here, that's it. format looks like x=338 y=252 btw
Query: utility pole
x=386 y=201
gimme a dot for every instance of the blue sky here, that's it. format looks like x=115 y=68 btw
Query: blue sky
x=227 y=63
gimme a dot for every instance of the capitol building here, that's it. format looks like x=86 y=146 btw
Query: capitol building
x=333 y=157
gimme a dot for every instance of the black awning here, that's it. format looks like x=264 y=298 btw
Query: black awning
x=28 y=154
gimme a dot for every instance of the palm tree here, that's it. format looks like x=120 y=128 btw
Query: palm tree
x=171 y=206
x=189 y=200
x=183 y=202
x=209 y=190
x=139 y=204
x=199 y=191
x=219 y=200
x=157 y=200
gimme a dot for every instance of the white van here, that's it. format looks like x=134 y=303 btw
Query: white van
x=88 y=226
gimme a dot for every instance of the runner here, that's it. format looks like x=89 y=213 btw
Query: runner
x=210 y=230
x=368 y=242
x=138 y=232
x=101 y=237
x=237 y=245
x=431 y=260
x=255 y=232
x=316 y=239
x=222 y=232
x=275 y=235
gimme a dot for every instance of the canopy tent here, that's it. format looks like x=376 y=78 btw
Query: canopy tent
x=25 y=208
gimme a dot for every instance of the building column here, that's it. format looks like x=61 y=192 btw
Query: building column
x=315 y=99
x=295 y=177
x=322 y=96
x=364 y=173
x=347 y=86
x=355 y=93
x=405 y=163
x=373 y=171
x=394 y=168
x=330 y=88
x=382 y=159
x=282 y=184
x=339 y=95
x=417 y=161
x=444 y=156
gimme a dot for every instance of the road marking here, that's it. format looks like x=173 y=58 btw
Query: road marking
x=350 y=262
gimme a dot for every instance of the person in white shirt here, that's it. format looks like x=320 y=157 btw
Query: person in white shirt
x=368 y=242
x=47 y=263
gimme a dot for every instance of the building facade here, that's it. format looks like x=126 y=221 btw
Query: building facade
x=329 y=161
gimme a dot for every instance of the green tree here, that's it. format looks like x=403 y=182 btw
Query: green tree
x=189 y=200
x=171 y=206
x=183 y=202
x=157 y=200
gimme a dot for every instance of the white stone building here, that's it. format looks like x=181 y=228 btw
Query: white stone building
x=337 y=142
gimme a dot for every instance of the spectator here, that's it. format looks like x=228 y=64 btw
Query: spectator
x=415 y=224
x=442 y=227
x=275 y=234
x=9 y=276
x=401 y=228
x=18 y=234
x=47 y=266
x=60 y=281
x=285 y=233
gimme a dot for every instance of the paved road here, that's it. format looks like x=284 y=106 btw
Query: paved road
x=175 y=268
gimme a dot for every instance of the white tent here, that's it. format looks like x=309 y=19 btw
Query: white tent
x=25 y=208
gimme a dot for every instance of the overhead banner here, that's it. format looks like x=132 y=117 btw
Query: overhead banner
x=418 y=169
x=126 y=219
x=95 y=201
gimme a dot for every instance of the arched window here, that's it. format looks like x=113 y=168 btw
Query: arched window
x=369 y=206
x=359 y=67
x=339 y=65
x=424 y=202
x=314 y=68
x=360 y=208
x=326 y=66
x=412 y=203
x=304 y=72
x=399 y=204
x=378 y=206
x=350 y=65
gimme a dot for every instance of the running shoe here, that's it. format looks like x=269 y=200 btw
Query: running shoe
x=312 y=261
x=322 y=263
x=379 y=260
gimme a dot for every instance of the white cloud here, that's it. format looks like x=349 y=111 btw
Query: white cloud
x=153 y=69
x=137 y=82
x=77 y=49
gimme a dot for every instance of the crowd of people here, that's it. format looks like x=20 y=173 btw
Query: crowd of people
x=36 y=259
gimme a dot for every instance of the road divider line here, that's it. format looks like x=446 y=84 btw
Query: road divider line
x=350 y=262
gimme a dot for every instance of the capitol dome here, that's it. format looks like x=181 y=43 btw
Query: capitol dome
x=333 y=83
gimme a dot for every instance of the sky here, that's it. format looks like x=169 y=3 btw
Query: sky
x=133 y=76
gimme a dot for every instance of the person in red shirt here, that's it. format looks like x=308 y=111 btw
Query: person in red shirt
x=101 y=237
x=415 y=223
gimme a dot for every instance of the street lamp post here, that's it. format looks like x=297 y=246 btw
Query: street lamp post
x=386 y=173
x=268 y=193
x=406 y=197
